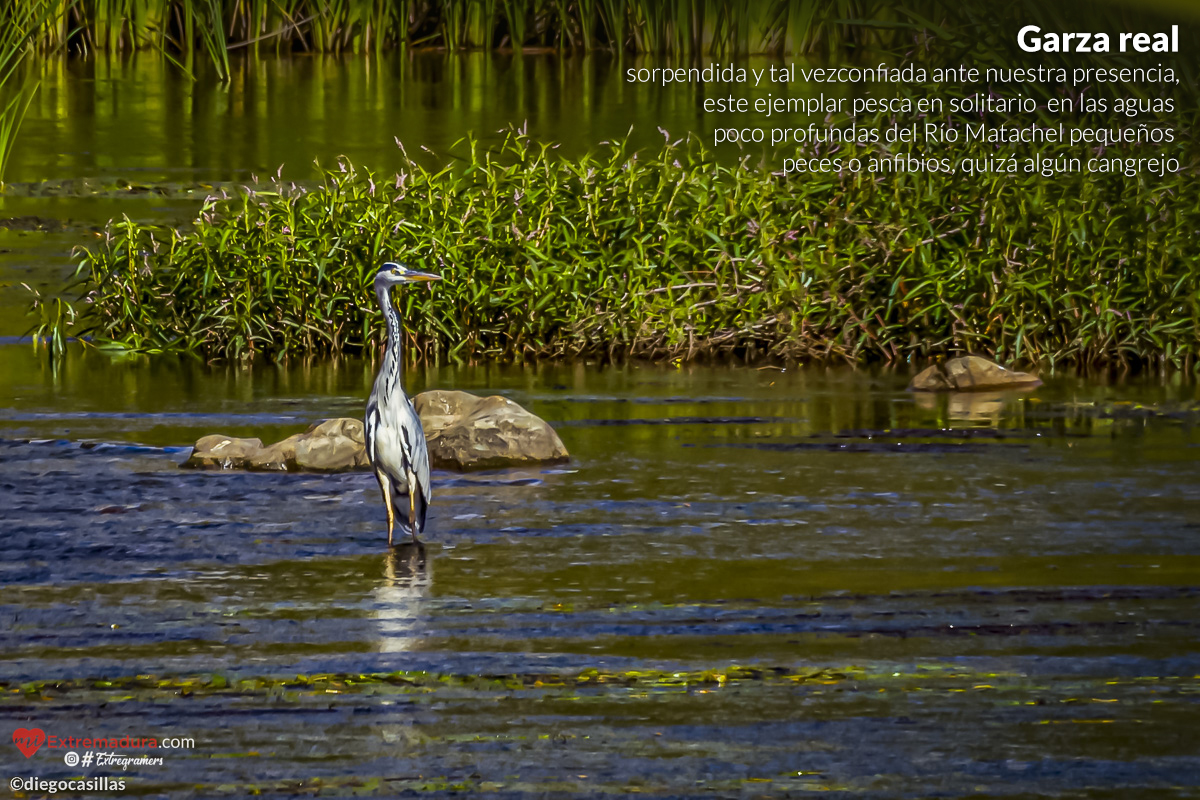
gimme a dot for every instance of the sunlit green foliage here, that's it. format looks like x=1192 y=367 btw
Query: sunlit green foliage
x=664 y=254
x=719 y=27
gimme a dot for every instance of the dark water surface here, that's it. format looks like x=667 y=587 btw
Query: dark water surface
x=934 y=597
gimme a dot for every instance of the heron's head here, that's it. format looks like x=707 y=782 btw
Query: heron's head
x=393 y=274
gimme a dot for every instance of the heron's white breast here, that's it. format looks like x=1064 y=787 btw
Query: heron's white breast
x=390 y=450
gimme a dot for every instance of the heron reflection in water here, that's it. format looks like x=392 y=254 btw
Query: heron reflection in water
x=399 y=600
x=395 y=440
x=400 y=612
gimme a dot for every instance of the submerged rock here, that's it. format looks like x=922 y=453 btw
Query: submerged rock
x=30 y=222
x=470 y=432
x=970 y=374
x=464 y=432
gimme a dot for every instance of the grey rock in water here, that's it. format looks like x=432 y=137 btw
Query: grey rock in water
x=217 y=451
x=332 y=446
x=465 y=431
x=280 y=456
x=970 y=374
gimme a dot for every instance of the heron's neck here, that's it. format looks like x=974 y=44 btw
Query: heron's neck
x=391 y=355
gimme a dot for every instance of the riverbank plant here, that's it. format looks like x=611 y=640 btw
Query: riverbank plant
x=21 y=24
x=666 y=254
x=723 y=28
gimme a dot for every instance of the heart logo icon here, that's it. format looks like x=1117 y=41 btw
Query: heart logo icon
x=28 y=740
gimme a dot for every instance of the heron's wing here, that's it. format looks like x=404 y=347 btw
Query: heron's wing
x=371 y=428
x=418 y=456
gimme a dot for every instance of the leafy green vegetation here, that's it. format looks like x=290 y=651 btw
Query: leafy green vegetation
x=370 y=25
x=663 y=254
x=725 y=27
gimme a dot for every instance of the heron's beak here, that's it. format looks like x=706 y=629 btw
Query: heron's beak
x=420 y=277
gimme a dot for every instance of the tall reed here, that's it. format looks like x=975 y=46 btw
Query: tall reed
x=678 y=27
x=20 y=24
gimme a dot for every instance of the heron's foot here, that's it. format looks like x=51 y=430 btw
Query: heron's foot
x=403 y=545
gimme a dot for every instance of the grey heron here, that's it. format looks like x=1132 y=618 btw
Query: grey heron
x=395 y=440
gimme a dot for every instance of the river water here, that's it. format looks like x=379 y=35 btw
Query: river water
x=939 y=596
x=746 y=582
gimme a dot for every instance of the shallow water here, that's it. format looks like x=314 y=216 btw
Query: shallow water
x=944 y=597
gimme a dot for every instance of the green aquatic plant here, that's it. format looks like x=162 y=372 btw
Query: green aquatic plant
x=666 y=254
x=722 y=28
x=20 y=24
x=12 y=114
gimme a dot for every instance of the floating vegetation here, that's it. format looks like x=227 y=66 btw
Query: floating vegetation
x=532 y=733
x=326 y=683
x=667 y=254
x=931 y=676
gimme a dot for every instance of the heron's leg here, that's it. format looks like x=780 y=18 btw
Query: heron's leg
x=412 y=516
x=412 y=507
x=386 y=486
